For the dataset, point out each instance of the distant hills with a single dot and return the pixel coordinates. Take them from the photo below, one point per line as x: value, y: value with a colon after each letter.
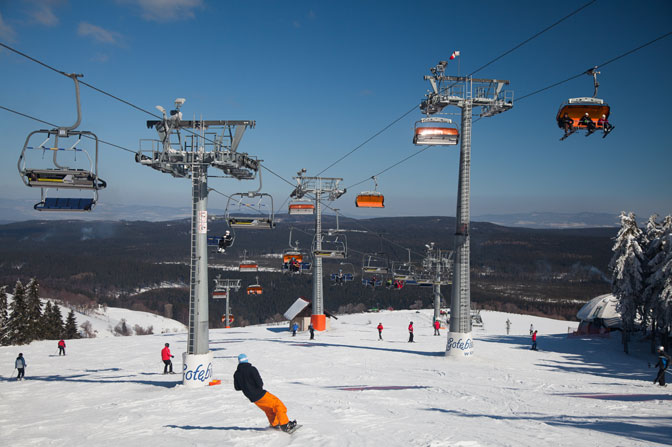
x: 21, y: 210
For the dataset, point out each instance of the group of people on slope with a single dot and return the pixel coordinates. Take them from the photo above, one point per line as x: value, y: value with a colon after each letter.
x: 436, y: 325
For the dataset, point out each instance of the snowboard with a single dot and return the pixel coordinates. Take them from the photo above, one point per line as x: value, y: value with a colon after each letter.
x: 296, y: 427
x: 608, y: 132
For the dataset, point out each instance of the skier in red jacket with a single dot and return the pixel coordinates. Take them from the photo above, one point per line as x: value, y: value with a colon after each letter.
x: 534, y: 341
x: 410, y: 333
x: 166, y: 356
x: 380, y: 331
x: 437, y: 325
x: 61, y: 347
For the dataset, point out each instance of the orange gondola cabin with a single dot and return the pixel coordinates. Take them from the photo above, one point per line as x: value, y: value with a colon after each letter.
x: 434, y: 131
x: 301, y: 208
x: 370, y: 199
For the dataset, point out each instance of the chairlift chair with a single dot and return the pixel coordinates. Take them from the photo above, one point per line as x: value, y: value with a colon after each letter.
x: 255, y: 289
x: 336, y: 248
x: 301, y: 208
x: 246, y: 201
x: 247, y: 265
x: 377, y: 263
x: 63, y: 145
x: 370, y: 199
x: 577, y: 108
x: 435, y: 131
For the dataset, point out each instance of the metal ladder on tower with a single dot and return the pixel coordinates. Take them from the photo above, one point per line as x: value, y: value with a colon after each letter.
x: 193, y: 271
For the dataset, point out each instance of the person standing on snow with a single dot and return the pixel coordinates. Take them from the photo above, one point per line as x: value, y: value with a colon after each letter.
x: 295, y: 327
x: 380, y: 331
x: 166, y: 356
x: 312, y: 331
x: 437, y: 325
x: 662, y: 365
x: 61, y: 347
x: 534, y: 341
x: 410, y: 333
x: 20, y: 365
x: 531, y: 329
x: 247, y: 379
x: 508, y: 326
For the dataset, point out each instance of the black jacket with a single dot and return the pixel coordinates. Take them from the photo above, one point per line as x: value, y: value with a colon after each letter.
x: 247, y: 379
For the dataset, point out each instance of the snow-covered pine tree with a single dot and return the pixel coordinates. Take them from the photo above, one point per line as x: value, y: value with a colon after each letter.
x: 34, y: 309
x: 4, y: 316
x: 17, y: 325
x: 663, y: 279
x: 70, y: 329
x: 627, y: 283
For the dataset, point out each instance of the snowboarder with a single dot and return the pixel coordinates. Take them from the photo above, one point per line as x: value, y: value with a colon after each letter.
x: 20, y: 365
x: 247, y: 379
x: 312, y: 331
x: 566, y: 123
x: 380, y: 331
x: 295, y: 327
x: 508, y: 326
x: 587, y: 121
x: 167, y: 363
x: 663, y: 364
x: 531, y: 329
x: 437, y: 325
x: 605, y: 124
x: 534, y: 341
x: 61, y: 347
x: 410, y: 333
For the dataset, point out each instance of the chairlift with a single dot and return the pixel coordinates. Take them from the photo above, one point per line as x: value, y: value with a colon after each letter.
x: 255, y: 289
x: 292, y: 258
x: 373, y: 282
x: 377, y: 263
x: 231, y: 319
x: 301, y: 208
x: 248, y: 204
x: 435, y: 131
x: 403, y: 271
x: 370, y: 199
x: 63, y: 145
x: 332, y: 247
x: 247, y: 265
x: 342, y: 277
x: 222, y: 242
x: 577, y: 108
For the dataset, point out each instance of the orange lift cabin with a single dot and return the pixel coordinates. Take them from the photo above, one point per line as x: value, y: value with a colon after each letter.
x: 577, y: 108
x: 255, y: 289
x: 435, y: 131
x: 370, y: 199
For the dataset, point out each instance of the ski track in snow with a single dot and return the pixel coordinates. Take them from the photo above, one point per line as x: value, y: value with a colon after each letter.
x: 345, y: 387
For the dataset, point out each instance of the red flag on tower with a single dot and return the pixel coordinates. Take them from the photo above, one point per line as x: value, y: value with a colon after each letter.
x: 454, y: 55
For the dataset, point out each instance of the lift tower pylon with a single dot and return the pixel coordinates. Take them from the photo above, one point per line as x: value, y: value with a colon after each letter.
x: 466, y: 93
x: 327, y: 188
x: 207, y: 144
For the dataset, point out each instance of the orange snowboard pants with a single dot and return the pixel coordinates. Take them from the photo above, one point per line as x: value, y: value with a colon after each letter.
x: 275, y: 410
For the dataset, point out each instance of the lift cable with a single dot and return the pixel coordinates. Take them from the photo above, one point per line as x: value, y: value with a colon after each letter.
x: 55, y: 126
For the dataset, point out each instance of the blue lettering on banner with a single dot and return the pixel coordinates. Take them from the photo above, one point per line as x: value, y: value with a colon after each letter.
x: 200, y: 374
x: 459, y: 344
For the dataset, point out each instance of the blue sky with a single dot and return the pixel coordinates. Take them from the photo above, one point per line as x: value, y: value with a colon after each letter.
x: 321, y: 77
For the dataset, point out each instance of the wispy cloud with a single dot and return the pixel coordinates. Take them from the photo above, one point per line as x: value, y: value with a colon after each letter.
x: 42, y: 11
x: 166, y: 10
x: 7, y: 33
x: 98, y: 34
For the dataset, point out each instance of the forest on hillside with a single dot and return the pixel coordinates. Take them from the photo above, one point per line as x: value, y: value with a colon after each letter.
x: 145, y: 265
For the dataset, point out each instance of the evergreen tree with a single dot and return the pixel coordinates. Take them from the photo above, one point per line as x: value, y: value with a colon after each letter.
x: 18, y: 320
x: 4, y: 316
x: 35, y: 329
x: 47, y: 331
x: 56, y: 322
x: 70, y: 330
x: 662, y: 279
x: 627, y: 283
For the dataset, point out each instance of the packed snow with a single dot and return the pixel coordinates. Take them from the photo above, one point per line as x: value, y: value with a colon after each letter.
x: 346, y: 388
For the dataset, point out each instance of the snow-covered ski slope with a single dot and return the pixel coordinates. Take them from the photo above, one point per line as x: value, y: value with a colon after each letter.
x: 345, y: 387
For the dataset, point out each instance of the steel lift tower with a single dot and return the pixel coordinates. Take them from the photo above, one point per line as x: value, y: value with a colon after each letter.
x: 319, y: 187
x: 466, y: 93
x: 206, y: 144
x: 437, y: 264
